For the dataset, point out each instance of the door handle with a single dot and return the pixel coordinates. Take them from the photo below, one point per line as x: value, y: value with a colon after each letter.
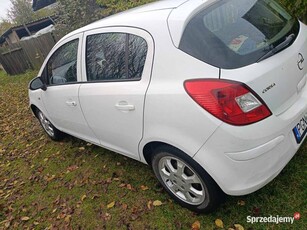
x: 71, y: 103
x: 124, y: 106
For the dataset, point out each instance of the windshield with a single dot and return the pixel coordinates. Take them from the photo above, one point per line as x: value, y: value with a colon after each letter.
x: 235, y: 33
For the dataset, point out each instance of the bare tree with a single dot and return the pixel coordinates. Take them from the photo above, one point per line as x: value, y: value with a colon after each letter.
x: 73, y: 14
x: 21, y: 12
x: 114, y: 6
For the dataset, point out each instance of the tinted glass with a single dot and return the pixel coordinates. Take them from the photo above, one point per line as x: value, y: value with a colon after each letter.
x: 137, y: 56
x: 235, y: 33
x: 115, y: 57
x: 62, y: 66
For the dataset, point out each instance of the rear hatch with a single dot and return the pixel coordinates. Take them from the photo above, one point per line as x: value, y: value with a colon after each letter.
x: 279, y: 79
x: 256, y: 42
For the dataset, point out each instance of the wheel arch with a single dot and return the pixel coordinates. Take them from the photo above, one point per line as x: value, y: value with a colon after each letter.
x: 149, y: 149
x: 34, y: 109
x: 217, y: 194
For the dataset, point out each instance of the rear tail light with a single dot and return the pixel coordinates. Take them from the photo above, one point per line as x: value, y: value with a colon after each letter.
x: 230, y: 101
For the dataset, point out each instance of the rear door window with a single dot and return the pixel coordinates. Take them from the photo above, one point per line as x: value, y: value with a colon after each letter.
x: 235, y: 33
x: 115, y: 57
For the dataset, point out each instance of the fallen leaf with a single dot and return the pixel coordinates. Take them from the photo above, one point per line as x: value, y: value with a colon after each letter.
x: 81, y: 148
x: 106, y: 216
x: 149, y: 205
x: 72, y: 168
x: 83, y: 197
x: 36, y: 223
x: 25, y: 218
x: 196, y: 225
x: 256, y: 211
x: 157, y: 203
x: 61, y: 215
x: 134, y: 216
x: 124, y: 206
x: 50, y: 178
x: 178, y: 224
x: 95, y: 196
x: 239, y: 227
x: 144, y: 188
x: 111, y: 205
x: 57, y: 200
x: 241, y: 202
x: 4, y: 221
x: 7, y: 224
x: 129, y: 186
x: 67, y: 218
x: 219, y: 223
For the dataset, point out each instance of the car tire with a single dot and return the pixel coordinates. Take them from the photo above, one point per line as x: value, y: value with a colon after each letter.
x: 185, y: 180
x: 48, y: 127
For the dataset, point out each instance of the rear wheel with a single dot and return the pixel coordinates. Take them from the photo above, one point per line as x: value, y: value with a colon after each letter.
x: 185, y: 180
x: 49, y: 128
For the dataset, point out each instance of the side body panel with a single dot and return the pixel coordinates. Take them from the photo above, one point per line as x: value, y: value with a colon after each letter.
x: 61, y: 102
x: 171, y: 116
x: 114, y: 110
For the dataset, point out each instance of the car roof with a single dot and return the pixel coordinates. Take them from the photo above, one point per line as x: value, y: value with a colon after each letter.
x: 151, y: 17
x: 132, y: 17
x: 179, y: 17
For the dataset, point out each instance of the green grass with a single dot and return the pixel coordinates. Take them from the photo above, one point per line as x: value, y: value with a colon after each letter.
x: 57, y: 185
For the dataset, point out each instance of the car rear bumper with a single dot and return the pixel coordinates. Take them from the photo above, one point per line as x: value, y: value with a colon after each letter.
x: 243, y: 159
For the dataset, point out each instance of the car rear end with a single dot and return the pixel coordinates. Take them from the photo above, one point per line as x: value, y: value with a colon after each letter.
x: 260, y: 95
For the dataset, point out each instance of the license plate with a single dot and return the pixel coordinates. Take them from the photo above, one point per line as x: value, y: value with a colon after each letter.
x: 300, y: 129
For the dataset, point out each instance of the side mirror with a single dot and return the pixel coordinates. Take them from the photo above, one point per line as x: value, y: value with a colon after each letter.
x: 37, y: 83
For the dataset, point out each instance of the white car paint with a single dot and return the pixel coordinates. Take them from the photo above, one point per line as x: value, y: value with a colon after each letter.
x: 241, y: 159
x: 117, y: 106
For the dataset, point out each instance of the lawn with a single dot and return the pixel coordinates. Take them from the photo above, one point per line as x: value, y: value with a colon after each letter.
x: 76, y: 185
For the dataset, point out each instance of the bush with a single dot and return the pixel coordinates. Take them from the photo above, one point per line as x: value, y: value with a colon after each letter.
x: 297, y: 8
x: 114, y: 6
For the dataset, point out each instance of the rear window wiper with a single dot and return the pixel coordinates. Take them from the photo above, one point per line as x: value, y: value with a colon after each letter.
x: 278, y: 48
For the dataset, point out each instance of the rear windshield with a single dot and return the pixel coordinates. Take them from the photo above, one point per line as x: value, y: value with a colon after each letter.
x: 235, y: 33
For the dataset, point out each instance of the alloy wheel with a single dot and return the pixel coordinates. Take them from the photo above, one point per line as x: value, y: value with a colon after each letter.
x: 46, y: 124
x: 182, y: 180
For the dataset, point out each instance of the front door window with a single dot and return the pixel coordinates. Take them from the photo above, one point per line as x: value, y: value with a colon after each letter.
x: 62, y: 66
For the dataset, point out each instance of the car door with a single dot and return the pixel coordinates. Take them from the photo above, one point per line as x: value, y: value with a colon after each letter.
x: 117, y: 69
x: 61, y: 74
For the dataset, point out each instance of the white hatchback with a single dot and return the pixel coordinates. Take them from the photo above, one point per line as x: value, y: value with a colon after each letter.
x: 212, y: 94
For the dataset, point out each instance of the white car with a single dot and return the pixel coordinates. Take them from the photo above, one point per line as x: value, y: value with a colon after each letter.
x: 212, y: 94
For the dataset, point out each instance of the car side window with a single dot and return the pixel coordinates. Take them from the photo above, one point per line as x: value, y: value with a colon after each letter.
x: 115, y: 57
x: 62, y: 66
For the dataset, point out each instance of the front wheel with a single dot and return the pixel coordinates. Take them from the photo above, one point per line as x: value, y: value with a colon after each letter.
x: 49, y: 128
x: 185, y: 180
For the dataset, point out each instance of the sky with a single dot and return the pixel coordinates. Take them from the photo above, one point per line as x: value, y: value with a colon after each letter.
x: 4, y: 6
